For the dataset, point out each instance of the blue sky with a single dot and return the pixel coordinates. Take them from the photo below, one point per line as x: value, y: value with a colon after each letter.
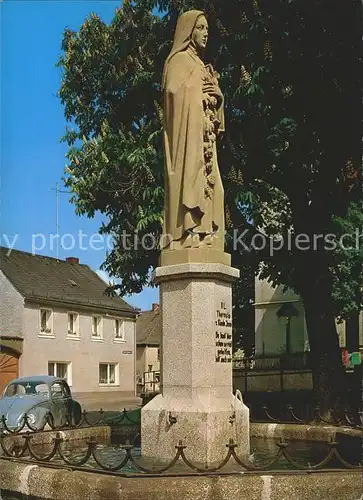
x: 32, y: 122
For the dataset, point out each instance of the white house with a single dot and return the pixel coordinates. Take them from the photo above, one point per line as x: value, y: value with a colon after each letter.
x: 56, y: 319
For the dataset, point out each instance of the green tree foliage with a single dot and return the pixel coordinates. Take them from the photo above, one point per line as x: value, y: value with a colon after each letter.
x: 289, y: 157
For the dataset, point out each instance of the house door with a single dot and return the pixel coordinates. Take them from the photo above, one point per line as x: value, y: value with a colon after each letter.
x: 9, y: 369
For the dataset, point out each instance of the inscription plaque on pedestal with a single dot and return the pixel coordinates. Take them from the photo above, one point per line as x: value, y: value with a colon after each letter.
x: 223, y: 335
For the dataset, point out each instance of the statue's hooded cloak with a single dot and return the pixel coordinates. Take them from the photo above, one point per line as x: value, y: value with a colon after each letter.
x: 185, y: 201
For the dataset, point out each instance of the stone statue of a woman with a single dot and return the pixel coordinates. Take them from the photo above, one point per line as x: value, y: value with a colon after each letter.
x: 193, y: 117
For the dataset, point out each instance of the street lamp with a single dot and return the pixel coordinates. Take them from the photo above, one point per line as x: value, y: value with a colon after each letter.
x: 287, y: 311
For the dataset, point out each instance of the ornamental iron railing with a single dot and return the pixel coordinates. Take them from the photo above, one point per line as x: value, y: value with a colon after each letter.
x: 343, y: 418
x: 27, y: 451
x: 88, y: 419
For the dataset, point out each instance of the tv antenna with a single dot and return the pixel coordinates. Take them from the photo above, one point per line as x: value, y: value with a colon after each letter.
x: 57, y: 191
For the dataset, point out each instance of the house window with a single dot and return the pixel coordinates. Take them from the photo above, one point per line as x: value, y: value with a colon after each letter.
x: 96, y: 326
x: 119, y: 329
x: 108, y: 373
x: 45, y: 321
x: 60, y: 369
x: 72, y: 324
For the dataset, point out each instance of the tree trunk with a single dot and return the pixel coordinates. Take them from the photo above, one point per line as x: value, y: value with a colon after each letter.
x: 324, y: 344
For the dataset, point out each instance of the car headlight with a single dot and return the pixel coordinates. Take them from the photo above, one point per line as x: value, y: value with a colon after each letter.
x: 31, y: 418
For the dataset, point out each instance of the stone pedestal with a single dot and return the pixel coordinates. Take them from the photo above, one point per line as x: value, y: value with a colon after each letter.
x: 196, y: 404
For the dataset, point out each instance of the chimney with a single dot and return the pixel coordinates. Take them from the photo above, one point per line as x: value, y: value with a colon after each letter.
x: 155, y: 306
x: 72, y: 260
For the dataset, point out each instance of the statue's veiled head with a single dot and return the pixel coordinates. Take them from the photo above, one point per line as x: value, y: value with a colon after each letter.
x: 192, y: 27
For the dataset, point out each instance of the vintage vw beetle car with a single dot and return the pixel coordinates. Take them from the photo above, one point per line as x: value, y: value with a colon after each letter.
x: 43, y: 399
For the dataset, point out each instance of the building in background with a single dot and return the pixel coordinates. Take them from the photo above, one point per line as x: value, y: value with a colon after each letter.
x: 56, y: 319
x: 280, y: 325
x: 148, y: 341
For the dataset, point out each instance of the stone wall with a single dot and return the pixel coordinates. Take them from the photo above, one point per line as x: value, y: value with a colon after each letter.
x: 44, y: 482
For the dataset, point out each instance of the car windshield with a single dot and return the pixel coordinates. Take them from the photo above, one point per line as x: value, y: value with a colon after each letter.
x: 27, y: 389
